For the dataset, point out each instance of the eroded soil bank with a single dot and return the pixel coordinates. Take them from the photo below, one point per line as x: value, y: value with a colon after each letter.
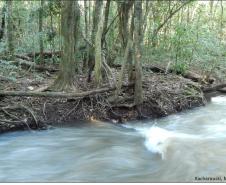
x: 163, y: 95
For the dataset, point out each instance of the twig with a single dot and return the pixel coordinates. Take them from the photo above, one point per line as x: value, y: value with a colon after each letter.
x: 31, y: 112
x: 68, y: 113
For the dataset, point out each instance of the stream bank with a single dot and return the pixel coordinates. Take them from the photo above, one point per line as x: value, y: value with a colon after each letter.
x: 164, y: 94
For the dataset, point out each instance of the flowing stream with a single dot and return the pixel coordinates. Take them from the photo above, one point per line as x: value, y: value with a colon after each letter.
x: 178, y: 148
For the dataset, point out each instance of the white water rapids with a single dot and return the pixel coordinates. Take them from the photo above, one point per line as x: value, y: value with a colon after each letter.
x: 178, y: 148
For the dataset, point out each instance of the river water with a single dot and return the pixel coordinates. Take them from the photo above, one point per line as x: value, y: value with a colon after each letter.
x: 178, y: 148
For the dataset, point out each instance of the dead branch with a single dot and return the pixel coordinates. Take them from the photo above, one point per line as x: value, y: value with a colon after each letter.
x: 26, y: 64
x: 23, y: 57
x: 47, y: 54
x: 22, y: 107
x: 4, y: 78
x: 60, y: 94
x: 214, y: 88
x: 31, y: 113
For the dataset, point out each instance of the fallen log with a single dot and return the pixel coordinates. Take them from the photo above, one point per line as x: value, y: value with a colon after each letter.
x: 59, y: 94
x: 188, y: 74
x: 27, y: 65
x: 23, y: 57
x: 7, y: 79
x: 222, y: 90
x: 47, y: 54
x: 214, y: 88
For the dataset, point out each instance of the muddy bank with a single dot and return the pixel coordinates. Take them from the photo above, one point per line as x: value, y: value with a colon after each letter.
x: 163, y: 95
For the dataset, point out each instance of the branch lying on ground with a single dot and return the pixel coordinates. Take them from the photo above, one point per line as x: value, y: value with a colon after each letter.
x: 214, y: 88
x: 47, y: 54
x: 23, y: 57
x: 158, y: 69
x: 27, y: 64
x: 60, y: 94
x: 4, y: 78
x: 17, y: 119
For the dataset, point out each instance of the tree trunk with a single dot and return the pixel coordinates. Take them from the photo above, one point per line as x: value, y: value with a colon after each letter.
x: 91, y: 50
x: 41, y: 46
x: 123, y: 68
x: 130, y: 56
x: 10, y: 34
x: 98, y: 51
x: 69, y: 31
x: 86, y: 9
x: 138, y: 95
x: 221, y: 19
x: 106, y: 14
x: 127, y: 60
x: 123, y: 11
x: 2, y: 29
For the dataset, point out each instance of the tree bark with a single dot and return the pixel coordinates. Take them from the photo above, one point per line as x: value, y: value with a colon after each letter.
x: 106, y: 14
x: 41, y: 46
x: 10, y: 35
x: 123, y: 11
x: 69, y: 30
x: 86, y: 9
x: 91, y: 50
x: 138, y: 94
x: 98, y: 51
x: 2, y: 29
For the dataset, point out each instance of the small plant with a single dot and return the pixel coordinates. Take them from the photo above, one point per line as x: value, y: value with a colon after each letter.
x: 180, y: 68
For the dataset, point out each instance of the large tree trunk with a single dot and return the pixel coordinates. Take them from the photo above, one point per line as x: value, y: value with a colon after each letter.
x: 127, y: 60
x: 70, y: 25
x: 10, y: 35
x: 123, y: 68
x: 123, y: 11
x: 41, y: 46
x: 138, y: 95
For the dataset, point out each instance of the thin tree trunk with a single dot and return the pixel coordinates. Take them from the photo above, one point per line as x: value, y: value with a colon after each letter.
x: 138, y: 95
x: 123, y: 11
x: 98, y: 51
x: 41, y: 46
x: 2, y: 29
x: 171, y: 14
x: 130, y: 57
x: 10, y: 34
x: 85, y: 62
x: 106, y: 14
x: 221, y: 19
x: 123, y: 68
x: 91, y: 50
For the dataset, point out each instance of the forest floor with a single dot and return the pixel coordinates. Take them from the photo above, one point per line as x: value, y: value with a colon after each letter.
x: 164, y: 94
